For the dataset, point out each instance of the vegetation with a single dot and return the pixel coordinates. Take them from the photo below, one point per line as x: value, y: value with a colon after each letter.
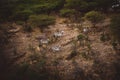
x: 95, y: 17
x: 78, y: 54
x: 104, y: 37
x: 22, y: 15
x: 41, y: 21
x: 67, y: 12
x: 20, y: 9
x: 115, y: 27
x: 81, y: 37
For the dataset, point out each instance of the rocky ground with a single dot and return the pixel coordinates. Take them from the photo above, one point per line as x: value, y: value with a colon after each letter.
x: 90, y: 63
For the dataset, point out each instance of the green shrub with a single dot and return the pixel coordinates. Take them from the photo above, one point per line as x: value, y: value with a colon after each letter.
x: 44, y: 8
x: 72, y: 55
x: 89, y: 46
x: 19, y: 22
x: 95, y: 17
x: 85, y: 55
x: 115, y: 27
x: 103, y: 38
x: 67, y: 12
x: 22, y: 15
x: 114, y: 44
x: 27, y: 27
x: 41, y: 21
x: 81, y: 37
x: 48, y: 6
x: 31, y: 72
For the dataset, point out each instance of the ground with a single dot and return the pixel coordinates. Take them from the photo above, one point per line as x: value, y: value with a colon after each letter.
x: 25, y: 44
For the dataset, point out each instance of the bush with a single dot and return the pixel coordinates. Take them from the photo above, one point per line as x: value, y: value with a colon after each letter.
x: 19, y: 22
x: 81, y: 37
x: 31, y: 72
x: 38, y: 9
x: 104, y: 37
x: 72, y: 55
x: 115, y: 27
x: 114, y: 44
x: 48, y: 6
x: 27, y: 27
x: 95, y: 17
x: 67, y: 12
x: 22, y: 15
x: 83, y: 54
x: 41, y: 21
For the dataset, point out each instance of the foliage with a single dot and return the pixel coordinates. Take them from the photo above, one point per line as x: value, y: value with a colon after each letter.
x: 19, y: 22
x: 38, y: 9
x: 81, y: 37
x: 73, y: 4
x: 95, y: 17
x: 114, y: 44
x: 41, y: 20
x: 115, y: 27
x: 104, y: 5
x: 21, y: 9
x: 72, y: 55
x: 48, y: 7
x: 27, y: 27
x: 10, y: 9
x: 104, y: 37
x: 84, y: 55
x: 26, y: 71
x: 22, y: 15
x: 67, y: 12
x: 81, y: 5
x: 87, y: 5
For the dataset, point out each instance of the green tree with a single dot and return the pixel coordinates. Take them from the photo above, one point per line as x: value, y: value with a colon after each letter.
x: 22, y: 15
x: 81, y: 5
x: 95, y: 17
x: 73, y: 4
x: 104, y: 5
x: 67, y: 12
x: 41, y: 21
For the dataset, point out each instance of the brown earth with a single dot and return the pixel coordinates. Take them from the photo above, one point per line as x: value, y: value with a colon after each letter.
x: 88, y: 62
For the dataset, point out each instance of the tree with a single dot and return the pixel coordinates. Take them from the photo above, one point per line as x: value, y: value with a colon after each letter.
x: 73, y: 4
x: 81, y: 5
x: 104, y: 5
x: 22, y: 15
x: 67, y: 12
x: 115, y: 27
x: 41, y: 21
x: 95, y: 17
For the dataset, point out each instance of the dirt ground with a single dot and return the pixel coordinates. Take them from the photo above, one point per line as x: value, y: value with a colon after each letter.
x: 100, y: 51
